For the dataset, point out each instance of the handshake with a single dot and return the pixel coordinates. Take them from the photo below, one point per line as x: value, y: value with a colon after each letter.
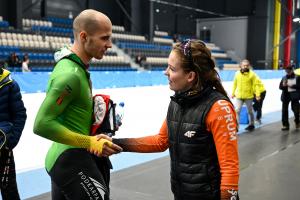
x: 101, y: 145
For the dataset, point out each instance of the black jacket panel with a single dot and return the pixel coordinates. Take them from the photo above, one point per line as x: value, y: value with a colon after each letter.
x: 195, y: 171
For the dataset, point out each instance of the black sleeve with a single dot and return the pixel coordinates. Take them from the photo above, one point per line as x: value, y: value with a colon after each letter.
x: 18, y: 115
x: 281, y: 87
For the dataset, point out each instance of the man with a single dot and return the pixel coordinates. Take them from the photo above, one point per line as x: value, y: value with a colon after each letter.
x: 258, y: 100
x: 243, y: 84
x: 290, y: 86
x: 12, y: 121
x: 65, y: 116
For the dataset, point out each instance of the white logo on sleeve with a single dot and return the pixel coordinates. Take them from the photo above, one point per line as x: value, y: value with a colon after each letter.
x: 190, y: 134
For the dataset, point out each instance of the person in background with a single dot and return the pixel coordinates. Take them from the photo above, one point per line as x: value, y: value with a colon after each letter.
x: 290, y: 86
x: 175, y: 38
x: 243, y: 89
x: 139, y: 59
x: 65, y: 116
x: 12, y: 121
x: 297, y: 71
x: 25, y: 64
x: 14, y: 62
x: 258, y: 100
x: 200, y: 129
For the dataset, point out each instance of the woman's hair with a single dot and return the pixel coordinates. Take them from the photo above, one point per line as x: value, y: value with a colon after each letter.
x: 25, y: 57
x: 196, y: 57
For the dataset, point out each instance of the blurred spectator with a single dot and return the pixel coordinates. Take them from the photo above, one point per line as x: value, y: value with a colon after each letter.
x: 243, y: 89
x: 25, y: 64
x: 14, y: 61
x: 258, y: 100
x: 175, y: 38
x: 139, y: 59
x: 290, y: 85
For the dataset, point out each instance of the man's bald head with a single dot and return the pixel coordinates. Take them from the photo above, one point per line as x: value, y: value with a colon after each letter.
x: 90, y: 21
x: 245, y: 61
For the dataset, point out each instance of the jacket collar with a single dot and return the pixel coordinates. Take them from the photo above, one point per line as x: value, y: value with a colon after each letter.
x: 65, y: 52
x: 190, y: 96
x: 5, y: 78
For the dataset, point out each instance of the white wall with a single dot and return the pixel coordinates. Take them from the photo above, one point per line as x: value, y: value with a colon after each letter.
x: 228, y: 33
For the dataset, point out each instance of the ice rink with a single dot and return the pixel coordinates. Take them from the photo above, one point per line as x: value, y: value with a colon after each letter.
x: 144, y: 111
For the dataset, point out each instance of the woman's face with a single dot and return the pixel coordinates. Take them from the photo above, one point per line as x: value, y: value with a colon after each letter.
x: 179, y: 80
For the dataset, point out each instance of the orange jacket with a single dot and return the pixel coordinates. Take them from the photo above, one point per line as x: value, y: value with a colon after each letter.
x: 221, y: 122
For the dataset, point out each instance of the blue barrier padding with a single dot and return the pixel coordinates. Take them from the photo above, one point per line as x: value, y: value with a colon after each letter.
x: 33, y: 183
x: 37, y: 81
x: 32, y: 82
x: 298, y: 48
x: 244, y: 119
x: 228, y: 75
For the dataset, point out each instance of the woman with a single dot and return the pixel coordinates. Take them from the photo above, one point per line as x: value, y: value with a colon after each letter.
x: 200, y: 128
x: 25, y: 64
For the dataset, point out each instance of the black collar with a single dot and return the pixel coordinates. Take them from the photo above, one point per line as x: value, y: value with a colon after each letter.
x: 191, y: 96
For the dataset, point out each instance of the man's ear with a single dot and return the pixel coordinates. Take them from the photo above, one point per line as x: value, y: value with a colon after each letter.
x: 83, y: 36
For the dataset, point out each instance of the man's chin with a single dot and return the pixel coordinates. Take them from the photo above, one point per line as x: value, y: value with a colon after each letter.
x: 98, y: 57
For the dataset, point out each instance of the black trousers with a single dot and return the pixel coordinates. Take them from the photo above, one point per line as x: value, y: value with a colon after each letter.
x: 257, y: 105
x: 79, y: 175
x: 285, y: 112
x: 8, y: 183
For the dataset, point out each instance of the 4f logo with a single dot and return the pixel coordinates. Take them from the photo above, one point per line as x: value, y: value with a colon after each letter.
x: 190, y: 134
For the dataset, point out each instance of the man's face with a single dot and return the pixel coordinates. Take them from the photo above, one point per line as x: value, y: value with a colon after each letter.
x: 97, y: 43
x: 288, y: 71
x: 245, y: 65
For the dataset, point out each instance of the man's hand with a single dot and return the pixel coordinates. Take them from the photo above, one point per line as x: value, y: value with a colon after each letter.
x: 101, y: 145
x: 109, y: 150
x: 258, y: 98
